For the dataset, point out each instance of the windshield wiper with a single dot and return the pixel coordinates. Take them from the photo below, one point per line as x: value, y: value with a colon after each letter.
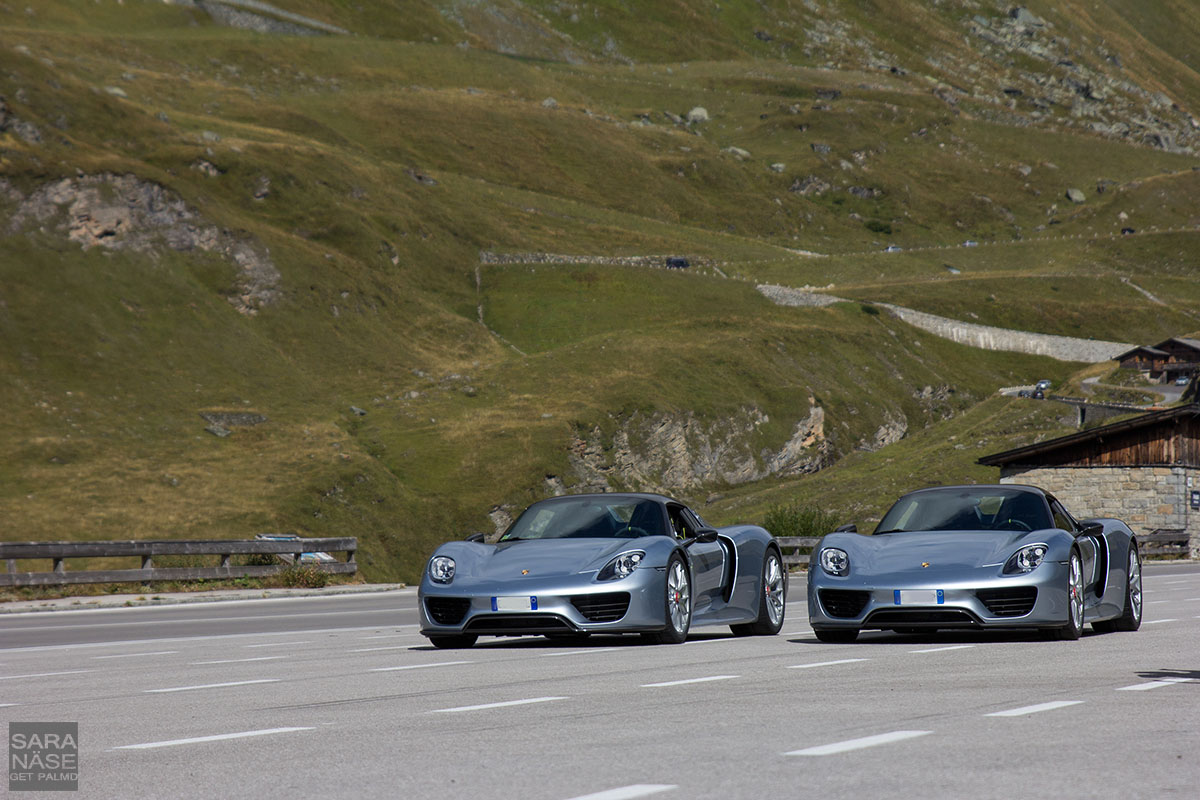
x: 893, y: 530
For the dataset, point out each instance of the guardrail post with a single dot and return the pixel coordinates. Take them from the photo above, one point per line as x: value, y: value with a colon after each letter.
x: 225, y: 560
x: 350, y: 557
x: 58, y: 567
x: 12, y: 566
x: 147, y: 562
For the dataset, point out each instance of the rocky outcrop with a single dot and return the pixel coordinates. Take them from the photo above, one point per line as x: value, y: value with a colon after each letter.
x: 124, y: 212
x: 664, y: 452
x: 260, y: 17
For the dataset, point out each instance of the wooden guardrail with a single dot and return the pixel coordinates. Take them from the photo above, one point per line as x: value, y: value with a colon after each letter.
x: 224, y: 549
x: 1164, y: 542
x: 791, y: 547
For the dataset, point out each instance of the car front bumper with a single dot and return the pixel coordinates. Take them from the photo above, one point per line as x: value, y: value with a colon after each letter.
x: 574, y: 604
x: 976, y: 598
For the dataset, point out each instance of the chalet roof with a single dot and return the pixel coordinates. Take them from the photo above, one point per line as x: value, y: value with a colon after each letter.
x: 1192, y: 343
x: 1145, y: 348
x: 1037, y: 452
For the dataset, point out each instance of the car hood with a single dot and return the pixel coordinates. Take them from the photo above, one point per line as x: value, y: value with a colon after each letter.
x: 545, y: 558
x: 941, y: 550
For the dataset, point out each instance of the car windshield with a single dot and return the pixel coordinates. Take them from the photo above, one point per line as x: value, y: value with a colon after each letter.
x: 967, y: 509
x: 589, y: 518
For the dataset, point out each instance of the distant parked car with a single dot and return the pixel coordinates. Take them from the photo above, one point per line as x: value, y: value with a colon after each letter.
x: 1042, y: 384
x: 1038, y: 394
x: 676, y: 262
x: 892, y: 248
x: 1024, y: 393
x: 1183, y: 380
x: 1127, y: 231
x: 970, y: 243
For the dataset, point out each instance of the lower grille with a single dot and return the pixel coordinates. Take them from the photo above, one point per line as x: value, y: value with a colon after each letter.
x: 948, y: 618
x: 447, y: 610
x: 518, y: 624
x: 601, y: 607
x: 844, y: 603
x: 1015, y: 602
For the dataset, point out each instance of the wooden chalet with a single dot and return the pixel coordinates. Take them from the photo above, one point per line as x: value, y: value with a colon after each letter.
x: 1144, y: 470
x: 1165, y: 361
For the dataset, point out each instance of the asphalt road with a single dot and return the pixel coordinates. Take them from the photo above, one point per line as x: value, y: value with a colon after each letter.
x: 341, y: 697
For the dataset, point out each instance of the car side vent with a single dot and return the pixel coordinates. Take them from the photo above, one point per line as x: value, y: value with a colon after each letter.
x: 1008, y: 602
x: 608, y: 607
x: 844, y: 603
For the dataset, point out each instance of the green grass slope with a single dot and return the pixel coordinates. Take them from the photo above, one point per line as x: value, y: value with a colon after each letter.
x: 327, y: 199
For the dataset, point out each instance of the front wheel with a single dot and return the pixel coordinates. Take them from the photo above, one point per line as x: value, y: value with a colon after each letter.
x: 678, y: 604
x: 453, y: 641
x: 1074, y: 627
x: 836, y: 635
x: 771, y: 600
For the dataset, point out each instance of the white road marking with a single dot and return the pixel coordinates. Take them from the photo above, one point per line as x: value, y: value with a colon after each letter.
x: 389, y: 635
x: 828, y: 663
x: 689, y: 680
x: 1191, y: 599
x: 420, y: 666
x: 44, y: 674
x: 1141, y: 687
x: 578, y: 652
x: 628, y: 792
x: 377, y: 649
x: 1158, y: 621
x: 858, y: 744
x: 943, y: 649
x: 1020, y: 712
x: 235, y: 660
x: 8, y: 705
x: 504, y: 704
x: 209, y: 686
x: 275, y: 644
x: 173, y: 639
x: 215, y: 738
x: 1156, y: 602
x: 136, y: 655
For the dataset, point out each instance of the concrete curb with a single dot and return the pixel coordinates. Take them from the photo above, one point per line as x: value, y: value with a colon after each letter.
x: 143, y: 599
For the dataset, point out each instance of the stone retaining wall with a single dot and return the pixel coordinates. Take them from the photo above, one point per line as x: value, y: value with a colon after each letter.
x: 1145, y: 498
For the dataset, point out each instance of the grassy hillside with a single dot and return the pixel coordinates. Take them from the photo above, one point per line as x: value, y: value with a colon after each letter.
x: 200, y: 221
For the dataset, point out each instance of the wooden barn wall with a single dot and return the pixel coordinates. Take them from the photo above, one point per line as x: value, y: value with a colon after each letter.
x: 1175, y: 443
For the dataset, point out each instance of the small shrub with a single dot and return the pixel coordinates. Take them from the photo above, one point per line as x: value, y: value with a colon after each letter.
x: 798, y: 520
x: 870, y: 309
x: 879, y: 227
x: 303, y: 576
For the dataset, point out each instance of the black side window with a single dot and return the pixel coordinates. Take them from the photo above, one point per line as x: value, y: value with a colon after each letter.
x: 1062, y: 519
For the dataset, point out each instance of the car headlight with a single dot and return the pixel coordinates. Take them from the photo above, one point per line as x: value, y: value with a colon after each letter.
x: 441, y: 569
x: 835, y: 561
x: 1027, y: 559
x: 622, y: 566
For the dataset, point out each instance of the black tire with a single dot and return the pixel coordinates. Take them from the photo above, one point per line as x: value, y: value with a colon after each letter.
x: 1074, y: 627
x: 772, y: 599
x: 677, y: 604
x: 1131, y: 616
x: 836, y: 635
x: 453, y: 641
x: 567, y: 638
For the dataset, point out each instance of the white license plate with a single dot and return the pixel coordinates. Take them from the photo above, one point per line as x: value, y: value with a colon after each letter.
x: 521, y: 603
x: 920, y: 597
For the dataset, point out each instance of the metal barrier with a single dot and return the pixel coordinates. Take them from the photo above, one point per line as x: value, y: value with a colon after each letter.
x: 795, y: 544
x: 58, y: 552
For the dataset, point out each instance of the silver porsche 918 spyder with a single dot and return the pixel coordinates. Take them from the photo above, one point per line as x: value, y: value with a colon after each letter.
x: 1004, y: 556
x: 604, y: 563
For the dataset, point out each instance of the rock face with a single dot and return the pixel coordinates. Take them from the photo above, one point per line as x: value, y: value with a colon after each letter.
x: 664, y: 452
x: 123, y: 212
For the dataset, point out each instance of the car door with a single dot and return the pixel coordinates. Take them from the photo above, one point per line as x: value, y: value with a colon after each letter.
x: 1090, y: 550
x: 708, y: 558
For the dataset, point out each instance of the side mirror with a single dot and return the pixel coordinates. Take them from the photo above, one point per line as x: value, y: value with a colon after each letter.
x: 1091, y: 528
x: 847, y: 528
x: 476, y: 537
x: 706, y: 535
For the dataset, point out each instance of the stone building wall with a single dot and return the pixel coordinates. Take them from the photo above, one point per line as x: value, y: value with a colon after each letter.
x: 1145, y: 498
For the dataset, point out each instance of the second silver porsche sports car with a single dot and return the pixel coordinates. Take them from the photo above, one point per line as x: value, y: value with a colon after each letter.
x: 604, y: 563
x: 1005, y: 556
